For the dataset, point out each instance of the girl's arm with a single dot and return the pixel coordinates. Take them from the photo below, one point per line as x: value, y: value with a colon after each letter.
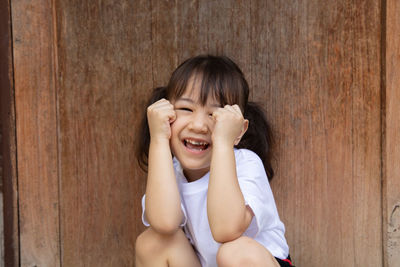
x: 228, y: 215
x: 163, y: 208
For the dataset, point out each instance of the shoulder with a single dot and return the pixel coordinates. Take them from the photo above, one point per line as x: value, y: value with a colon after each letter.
x: 248, y: 161
x: 244, y: 156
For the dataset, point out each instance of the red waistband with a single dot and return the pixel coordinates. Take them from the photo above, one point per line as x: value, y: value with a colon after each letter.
x: 287, y: 260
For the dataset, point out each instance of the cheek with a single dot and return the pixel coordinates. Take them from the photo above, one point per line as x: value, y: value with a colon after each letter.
x: 176, y: 127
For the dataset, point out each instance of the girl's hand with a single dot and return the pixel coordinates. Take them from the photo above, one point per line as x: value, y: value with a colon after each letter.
x: 230, y: 125
x: 160, y: 115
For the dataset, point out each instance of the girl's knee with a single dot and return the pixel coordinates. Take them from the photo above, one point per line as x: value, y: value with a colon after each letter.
x: 232, y: 254
x: 147, y: 243
x: 155, y: 249
x: 150, y: 242
x: 244, y: 251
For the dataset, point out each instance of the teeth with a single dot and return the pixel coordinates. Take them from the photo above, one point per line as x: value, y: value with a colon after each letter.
x: 196, y: 143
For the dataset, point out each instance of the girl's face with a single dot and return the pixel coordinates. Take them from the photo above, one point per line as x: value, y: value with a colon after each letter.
x: 191, y: 132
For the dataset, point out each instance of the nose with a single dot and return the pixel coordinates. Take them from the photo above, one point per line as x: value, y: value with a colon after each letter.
x: 199, y: 123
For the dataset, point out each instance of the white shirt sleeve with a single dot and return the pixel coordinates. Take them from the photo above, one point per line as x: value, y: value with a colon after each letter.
x: 146, y: 222
x: 256, y: 191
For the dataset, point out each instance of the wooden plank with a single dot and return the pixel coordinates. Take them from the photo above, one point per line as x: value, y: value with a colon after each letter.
x: 8, y: 142
x: 191, y: 29
x: 215, y: 27
x: 105, y: 72
x: 36, y: 132
x: 184, y: 29
x: 391, y: 149
x: 317, y: 67
x: 226, y: 25
x: 366, y: 132
x: 164, y: 40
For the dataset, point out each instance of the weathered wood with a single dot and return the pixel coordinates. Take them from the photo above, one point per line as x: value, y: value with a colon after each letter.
x: 215, y: 27
x: 36, y: 132
x: 317, y: 68
x: 391, y: 149
x: 104, y: 71
x: 8, y: 142
x: 164, y: 40
x: 184, y: 29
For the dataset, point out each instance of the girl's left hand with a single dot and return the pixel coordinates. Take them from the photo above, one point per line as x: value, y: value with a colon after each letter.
x: 230, y: 125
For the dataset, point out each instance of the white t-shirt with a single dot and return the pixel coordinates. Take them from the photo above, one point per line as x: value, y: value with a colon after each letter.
x: 266, y: 227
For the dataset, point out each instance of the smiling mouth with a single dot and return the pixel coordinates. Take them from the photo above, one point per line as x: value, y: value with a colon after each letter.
x: 196, y: 145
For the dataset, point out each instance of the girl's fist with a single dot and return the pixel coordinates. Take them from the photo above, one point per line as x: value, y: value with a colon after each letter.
x: 160, y: 115
x: 230, y: 125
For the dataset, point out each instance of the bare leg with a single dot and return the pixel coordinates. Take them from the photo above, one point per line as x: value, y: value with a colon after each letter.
x: 157, y: 250
x: 245, y: 251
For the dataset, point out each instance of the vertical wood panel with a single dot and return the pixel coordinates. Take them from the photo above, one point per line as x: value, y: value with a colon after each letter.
x: 36, y: 130
x: 391, y: 152
x: 182, y: 29
x: 8, y: 142
x: 215, y: 27
x: 105, y: 74
x: 164, y: 40
x: 226, y: 25
x: 316, y: 66
x: 192, y: 29
x: 365, y: 82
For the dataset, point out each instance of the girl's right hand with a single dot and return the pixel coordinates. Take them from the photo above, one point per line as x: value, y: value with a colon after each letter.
x: 160, y: 115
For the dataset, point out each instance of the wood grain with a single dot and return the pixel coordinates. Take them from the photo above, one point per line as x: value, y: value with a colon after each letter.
x: 36, y: 132
x: 104, y: 72
x: 215, y: 27
x: 83, y: 70
x: 8, y: 158
x: 184, y: 29
x: 316, y: 67
x: 391, y: 150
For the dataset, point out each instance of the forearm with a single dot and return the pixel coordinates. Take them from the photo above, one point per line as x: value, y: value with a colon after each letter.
x: 227, y: 212
x: 163, y: 208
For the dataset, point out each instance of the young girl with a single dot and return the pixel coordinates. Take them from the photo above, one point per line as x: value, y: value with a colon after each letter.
x: 208, y: 201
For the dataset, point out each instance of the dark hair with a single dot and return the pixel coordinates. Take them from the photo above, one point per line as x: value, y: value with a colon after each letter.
x: 224, y: 80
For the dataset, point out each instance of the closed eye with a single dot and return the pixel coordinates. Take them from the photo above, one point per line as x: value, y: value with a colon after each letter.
x: 185, y: 109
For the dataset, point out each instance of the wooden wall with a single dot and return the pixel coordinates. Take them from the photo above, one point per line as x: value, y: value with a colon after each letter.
x: 321, y: 65
x: 322, y: 70
x: 8, y: 166
x: 391, y: 136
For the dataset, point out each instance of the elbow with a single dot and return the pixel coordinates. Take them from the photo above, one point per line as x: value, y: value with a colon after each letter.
x: 226, y: 234
x: 165, y: 228
x: 166, y: 225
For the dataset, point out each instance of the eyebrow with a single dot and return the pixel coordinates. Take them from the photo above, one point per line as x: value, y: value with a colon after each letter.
x: 193, y: 102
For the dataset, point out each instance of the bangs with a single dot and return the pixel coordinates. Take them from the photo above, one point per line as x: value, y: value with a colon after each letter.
x: 218, y: 77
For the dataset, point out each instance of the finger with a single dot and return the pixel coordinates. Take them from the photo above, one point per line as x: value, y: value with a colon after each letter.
x: 228, y: 107
x: 237, y: 109
x: 156, y: 104
x: 163, y: 106
x: 233, y: 108
x: 162, y: 102
x: 217, y: 113
x: 166, y: 107
x: 172, y: 116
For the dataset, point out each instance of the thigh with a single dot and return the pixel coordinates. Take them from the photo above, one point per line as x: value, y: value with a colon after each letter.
x: 245, y: 251
x: 155, y: 249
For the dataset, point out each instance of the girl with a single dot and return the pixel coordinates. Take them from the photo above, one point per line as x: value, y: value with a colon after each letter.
x: 208, y: 201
